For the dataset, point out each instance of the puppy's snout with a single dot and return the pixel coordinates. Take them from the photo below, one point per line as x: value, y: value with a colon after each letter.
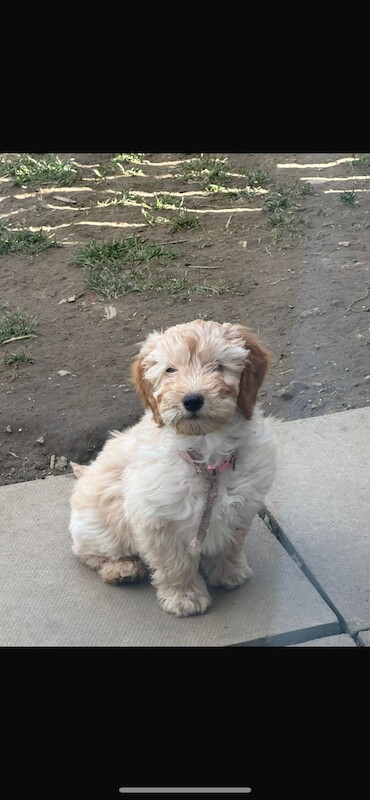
x: 193, y: 402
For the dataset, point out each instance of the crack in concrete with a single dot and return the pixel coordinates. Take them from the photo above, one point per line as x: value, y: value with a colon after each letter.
x: 278, y: 532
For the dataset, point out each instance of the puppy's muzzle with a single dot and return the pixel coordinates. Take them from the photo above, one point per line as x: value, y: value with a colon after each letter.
x: 193, y: 402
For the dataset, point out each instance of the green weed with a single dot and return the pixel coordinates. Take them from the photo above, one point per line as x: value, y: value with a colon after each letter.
x: 49, y: 170
x: 119, y: 199
x: 15, y: 325
x: 183, y: 220
x: 279, y: 199
x: 208, y: 170
x: 348, y: 198
x: 14, y: 359
x: 164, y: 200
x: 24, y: 241
x: 287, y: 227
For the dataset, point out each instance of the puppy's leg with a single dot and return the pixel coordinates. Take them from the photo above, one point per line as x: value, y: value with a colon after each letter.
x: 124, y: 570
x: 180, y: 588
x: 229, y: 567
x: 101, y: 549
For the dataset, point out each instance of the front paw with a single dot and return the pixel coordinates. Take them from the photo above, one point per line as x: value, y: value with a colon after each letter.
x: 125, y: 570
x: 230, y: 576
x: 184, y: 602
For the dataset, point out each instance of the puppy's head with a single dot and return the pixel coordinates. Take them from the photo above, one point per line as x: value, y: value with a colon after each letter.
x: 194, y: 376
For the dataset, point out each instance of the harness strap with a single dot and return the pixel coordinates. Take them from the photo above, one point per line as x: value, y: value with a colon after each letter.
x: 211, y: 473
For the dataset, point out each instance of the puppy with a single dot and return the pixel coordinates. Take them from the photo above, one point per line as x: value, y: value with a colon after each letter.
x: 175, y: 494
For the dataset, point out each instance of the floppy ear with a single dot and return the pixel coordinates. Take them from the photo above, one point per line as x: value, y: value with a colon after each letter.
x: 142, y: 385
x: 254, y: 371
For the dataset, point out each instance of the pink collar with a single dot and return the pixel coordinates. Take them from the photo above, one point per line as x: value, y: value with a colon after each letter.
x: 209, y: 470
x: 211, y: 473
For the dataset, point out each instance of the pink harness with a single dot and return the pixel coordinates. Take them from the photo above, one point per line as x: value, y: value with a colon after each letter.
x: 210, y: 472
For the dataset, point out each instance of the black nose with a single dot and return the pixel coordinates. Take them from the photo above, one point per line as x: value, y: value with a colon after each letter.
x: 193, y: 402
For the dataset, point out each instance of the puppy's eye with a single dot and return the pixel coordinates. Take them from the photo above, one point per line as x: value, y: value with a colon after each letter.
x: 171, y: 369
x: 217, y: 368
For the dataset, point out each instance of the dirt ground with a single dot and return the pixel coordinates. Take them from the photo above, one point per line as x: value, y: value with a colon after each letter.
x: 308, y: 299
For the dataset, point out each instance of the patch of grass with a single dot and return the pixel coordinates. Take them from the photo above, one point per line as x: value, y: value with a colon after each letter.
x: 114, y: 167
x: 208, y: 170
x: 363, y: 160
x: 152, y: 220
x: 245, y: 192
x: 110, y: 284
x: 287, y: 227
x: 302, y: 189
x: 164, y: 200
x: 184, y: 220
x: 22, y: 240
x: 348, y: 198
x: 280, y: 198
x: 275, y: 220
x: 256, y: 178
x: 49, y: 170
x: 214, y: 187
x: 130, y: 158
x: 119, y: 199
x: 14, y: 325
x: 285, y: 223
x: 233, y: 193
x: 123, y: 265
x: 117, y: 252
x: 14, y: 359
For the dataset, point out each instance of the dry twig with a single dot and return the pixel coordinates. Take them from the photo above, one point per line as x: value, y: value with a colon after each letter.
x: 357, y: 301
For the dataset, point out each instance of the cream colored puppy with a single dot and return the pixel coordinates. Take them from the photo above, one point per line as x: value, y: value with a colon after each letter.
x: 175, y: 494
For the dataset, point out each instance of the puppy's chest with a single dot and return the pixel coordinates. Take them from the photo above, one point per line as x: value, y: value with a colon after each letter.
x: 189, y: 489
x: 166, y: 486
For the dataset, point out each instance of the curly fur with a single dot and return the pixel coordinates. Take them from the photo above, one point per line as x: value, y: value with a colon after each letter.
x: 138, y: 506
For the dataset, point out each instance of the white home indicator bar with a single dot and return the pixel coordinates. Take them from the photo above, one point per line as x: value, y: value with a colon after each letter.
x: 185, y: 790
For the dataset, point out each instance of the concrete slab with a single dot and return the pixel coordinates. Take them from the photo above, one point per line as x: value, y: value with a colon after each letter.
x: 343, y: 640
x: 49, y: 598
x: 364, y: 638
x: 321, y: 501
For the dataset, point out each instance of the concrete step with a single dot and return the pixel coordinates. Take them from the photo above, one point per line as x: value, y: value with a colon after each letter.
x: 343, y: 640
x: 49, y: 598
x: 321, y: 501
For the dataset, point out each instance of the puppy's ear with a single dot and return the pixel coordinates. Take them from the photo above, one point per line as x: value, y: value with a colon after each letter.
x: 142, y: 385
x: 255, y: 370
x: 78, y: 469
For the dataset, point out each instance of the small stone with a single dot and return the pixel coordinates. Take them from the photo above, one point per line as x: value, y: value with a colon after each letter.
x: 8, y: 429
x: 40, y: 440
x: 62, y: 301
x: 111, y: 311
x: 291, y: 390
x: 61, y: 462
x: 52, y: 462
x: 71, y: 299
x: 310, y: 312
x: 63, y: 372
x: 367, y: 378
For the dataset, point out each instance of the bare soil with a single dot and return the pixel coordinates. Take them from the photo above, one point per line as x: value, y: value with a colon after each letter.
x: 308, y: 300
